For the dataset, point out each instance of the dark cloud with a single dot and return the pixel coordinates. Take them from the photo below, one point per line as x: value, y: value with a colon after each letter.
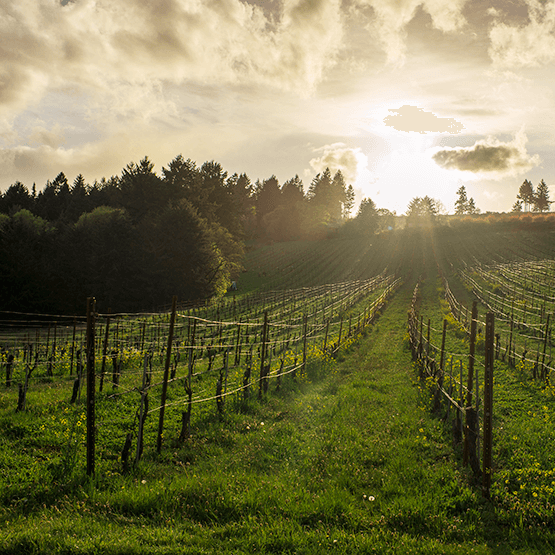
x: 412, y: 118
x: 490, y: 157
x: 479, y: 158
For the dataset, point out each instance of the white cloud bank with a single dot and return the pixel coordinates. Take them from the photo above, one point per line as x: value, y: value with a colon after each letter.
x: 530, y: 45
x: 99, y: 44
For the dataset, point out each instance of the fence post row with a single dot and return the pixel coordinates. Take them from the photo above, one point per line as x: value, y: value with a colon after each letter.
x: 471, y: 428
x: 112, y: 340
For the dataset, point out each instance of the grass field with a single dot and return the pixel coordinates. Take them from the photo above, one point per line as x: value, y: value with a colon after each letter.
x: 347, y: 459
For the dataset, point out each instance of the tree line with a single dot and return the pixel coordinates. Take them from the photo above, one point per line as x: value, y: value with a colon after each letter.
x: 136, y: 239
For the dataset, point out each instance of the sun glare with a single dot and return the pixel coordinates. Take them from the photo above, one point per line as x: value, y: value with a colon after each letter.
x: 408, y: 171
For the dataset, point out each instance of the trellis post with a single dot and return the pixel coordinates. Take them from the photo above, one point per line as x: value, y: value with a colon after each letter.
x: 166, y: 375
x: 263, y: 353
x: 488, y: 403
x: 470, y: 435
x: 91, y: 305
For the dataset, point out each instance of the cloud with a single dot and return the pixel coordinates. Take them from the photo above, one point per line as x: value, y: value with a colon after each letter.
x: 100, y: 45
x: 489, y: 157
x: 392, y: 17
x: 412, y: 118
x: 525, y: 45
x: 42, y: 136
x: 351, y: 161
x: 24, y: 163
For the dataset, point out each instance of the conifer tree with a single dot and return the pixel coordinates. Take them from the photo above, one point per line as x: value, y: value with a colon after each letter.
x: 461, y: 204
x: 541, y: 198
x: 349, y: 203
x: 526, y: 194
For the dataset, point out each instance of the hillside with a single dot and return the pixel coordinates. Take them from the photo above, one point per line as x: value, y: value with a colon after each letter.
x: 296, y: 420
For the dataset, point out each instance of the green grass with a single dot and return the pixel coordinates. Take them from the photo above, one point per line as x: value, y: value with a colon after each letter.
x: 347, y: 461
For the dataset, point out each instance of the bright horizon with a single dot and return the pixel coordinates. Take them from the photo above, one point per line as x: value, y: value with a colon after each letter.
x: 407, y: 97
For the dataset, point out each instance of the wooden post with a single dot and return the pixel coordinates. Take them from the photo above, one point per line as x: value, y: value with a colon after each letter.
x: 166, y: 375
x: 439, y: 386
x: 442, y: 355
x: 461, y: 399
x: 226, y: 369
x: 54, y: 345
x: 105, y: 349
x: 326, y: 335
x: 48, y: 341
x: 546, y: 336
x: 340, y: 330
x: 91, y: 305
x: 305, y: 333
x: 469, y: 421
x: 420, y: 344
x: 186, y: 415
x: 509, y: 359
x: 488, y: 403
x: 263, y: 354
x: 143, y: 410
x: 72, y: 347
x: 237, y: 351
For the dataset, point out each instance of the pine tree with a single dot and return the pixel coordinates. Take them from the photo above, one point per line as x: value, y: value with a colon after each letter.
x: 461, y: 204
x: 526, y: 194
x: 471, y: 207
x: 541, y: 198
x: 517, y: 206
x: 349, y: 203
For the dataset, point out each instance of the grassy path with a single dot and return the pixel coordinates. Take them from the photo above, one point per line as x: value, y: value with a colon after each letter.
x: 350, y: 464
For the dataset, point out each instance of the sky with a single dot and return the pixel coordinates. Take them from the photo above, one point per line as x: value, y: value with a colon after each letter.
x: 406, y: 97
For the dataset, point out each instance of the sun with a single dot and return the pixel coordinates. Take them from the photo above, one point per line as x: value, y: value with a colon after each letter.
x: 407, y: 170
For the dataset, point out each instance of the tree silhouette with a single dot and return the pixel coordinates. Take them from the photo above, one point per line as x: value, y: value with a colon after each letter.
x: 526, y: 194
x: 349, y: 202
x: 367, y: 217
x: 422, y: 211
x: 464, y: 205
x: 541, y: 198
x: 461, y: 204
x: 16, y: 198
